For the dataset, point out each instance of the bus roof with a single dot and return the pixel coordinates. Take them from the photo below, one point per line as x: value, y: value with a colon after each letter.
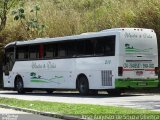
x: 112, y: 31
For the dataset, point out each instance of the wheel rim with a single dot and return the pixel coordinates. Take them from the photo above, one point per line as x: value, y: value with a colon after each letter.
x: 19, y: 85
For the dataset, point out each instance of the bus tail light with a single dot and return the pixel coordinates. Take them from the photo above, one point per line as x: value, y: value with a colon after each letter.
x: 156, y: 70
x: 120, y: 71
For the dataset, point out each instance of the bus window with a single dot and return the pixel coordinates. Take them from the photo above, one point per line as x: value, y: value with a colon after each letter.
x: 85, y: 47
x: 34, y: 52
x: 61, y: 50
x: 66, y: 49
x: 71, y: 50
x: 9, y: 60
x: 41, y: 51
x: 80, y: 45
x: 50, y: 50
x: 22, y: 52
x: 105, y: 46
x: 89, y: 47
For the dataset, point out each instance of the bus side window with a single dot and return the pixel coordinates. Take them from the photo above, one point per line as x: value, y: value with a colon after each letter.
x: 34, y: 52
x: 22, y: 52
x: 85, y: 47
x: 70, y: 49
x: 41, y: 51
x: 50, y: 50
x: 89, y: 47
x: 105, y: 46
x: 80, y: 46
x: 110, y: 49
x: 55, y: 50
x: 61, y: 50
x: 66, y: 49
x: 99, y: 48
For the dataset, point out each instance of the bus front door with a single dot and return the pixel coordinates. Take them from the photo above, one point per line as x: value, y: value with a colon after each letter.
x: 8, y: 60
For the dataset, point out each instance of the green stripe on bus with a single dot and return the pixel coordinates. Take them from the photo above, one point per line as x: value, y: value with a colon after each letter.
x: 133, y: 83
x: 39, y: 81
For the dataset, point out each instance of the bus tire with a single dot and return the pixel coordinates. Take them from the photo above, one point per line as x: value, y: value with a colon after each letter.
x: 114, y: 92
x: 83, y: 85
x: 19, y: 85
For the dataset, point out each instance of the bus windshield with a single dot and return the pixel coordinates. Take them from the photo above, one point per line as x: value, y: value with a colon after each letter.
x: 9, y: 60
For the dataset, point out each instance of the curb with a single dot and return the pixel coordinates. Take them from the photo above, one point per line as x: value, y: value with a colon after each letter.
x: 48, y: 114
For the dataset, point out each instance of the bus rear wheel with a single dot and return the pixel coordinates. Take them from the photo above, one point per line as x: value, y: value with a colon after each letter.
x: 19, y: 85
x: 83, y: 85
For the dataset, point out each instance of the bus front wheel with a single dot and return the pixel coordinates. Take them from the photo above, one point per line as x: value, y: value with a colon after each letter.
x: 19, y: 85
x: 83, y: 85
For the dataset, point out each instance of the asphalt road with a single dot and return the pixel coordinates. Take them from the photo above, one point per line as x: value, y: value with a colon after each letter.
x: 8, y: 114
x: 141, y: 101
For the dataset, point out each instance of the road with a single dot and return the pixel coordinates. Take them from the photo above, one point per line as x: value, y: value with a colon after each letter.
x: 141, y: 101
x: 9, y: 111
x: 8, y: 114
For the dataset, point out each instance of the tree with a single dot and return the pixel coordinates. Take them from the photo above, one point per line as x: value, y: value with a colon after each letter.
x: 32, y: 24
x: 5, y: 6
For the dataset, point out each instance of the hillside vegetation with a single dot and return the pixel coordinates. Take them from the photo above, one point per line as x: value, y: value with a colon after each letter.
x: 68, y: 17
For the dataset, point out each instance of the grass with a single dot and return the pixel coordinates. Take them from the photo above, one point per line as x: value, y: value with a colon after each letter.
x: 72, y: 109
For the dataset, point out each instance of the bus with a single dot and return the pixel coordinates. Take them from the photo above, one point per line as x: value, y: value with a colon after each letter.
x: 113, y: 60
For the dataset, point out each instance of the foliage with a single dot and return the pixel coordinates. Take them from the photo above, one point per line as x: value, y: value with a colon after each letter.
x: 32, y: 24
x: 68, y: 17
x: 5, y: 6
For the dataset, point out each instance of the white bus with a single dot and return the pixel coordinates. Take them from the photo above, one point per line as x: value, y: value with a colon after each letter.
x: 113, y: 60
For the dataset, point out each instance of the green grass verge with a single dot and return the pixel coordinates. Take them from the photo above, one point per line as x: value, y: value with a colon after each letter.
x: 72, y: 109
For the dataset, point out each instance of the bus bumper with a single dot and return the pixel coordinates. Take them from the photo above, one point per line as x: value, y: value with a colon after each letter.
x: 131, y: 83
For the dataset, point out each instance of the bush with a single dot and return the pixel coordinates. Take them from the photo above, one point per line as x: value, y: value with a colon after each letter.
x: 68, y: 17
